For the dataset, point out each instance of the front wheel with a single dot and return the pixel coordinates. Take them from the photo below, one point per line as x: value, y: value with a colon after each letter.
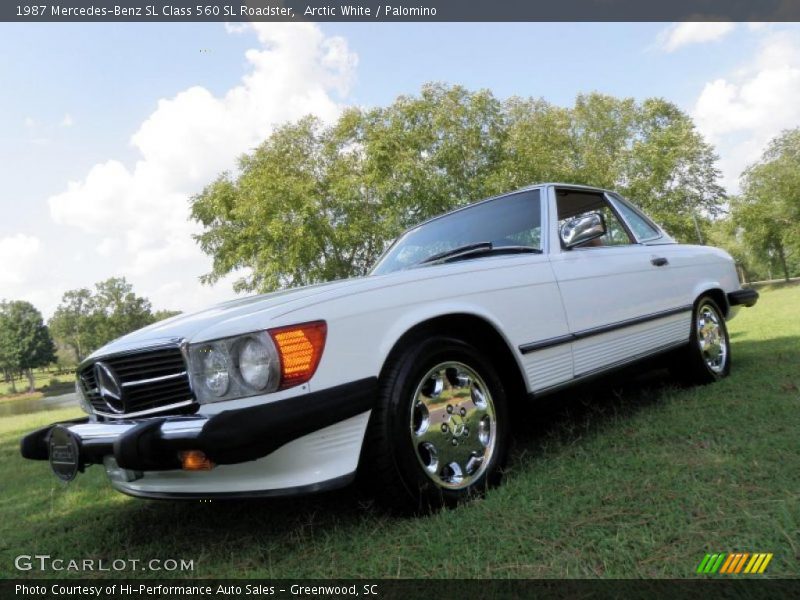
x: 708, y: 357
x: 439, y: 433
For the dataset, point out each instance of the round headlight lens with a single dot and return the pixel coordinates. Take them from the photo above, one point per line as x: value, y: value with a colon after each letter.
x: 254, y: 363
x: 215, y: 371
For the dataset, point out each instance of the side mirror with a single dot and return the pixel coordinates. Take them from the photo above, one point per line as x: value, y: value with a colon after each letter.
x: 582, y: 229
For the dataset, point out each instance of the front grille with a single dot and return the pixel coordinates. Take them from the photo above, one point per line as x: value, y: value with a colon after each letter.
x: 151, y: 380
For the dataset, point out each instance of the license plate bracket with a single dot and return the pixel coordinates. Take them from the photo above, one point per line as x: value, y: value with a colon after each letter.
x: 64, y: 452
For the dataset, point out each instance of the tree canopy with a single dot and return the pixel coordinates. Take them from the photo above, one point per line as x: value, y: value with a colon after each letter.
x: 766, y: 216
x: 25, y: 341
x: 86, y: 320
x: 317, y: 202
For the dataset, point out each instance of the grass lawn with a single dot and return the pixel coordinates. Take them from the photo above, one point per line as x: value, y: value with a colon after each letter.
x: 46, y: 384
x: 637, y: 479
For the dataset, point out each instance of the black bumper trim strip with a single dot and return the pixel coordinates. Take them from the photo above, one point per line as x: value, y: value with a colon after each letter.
x: 34, y: 446
x: 229, y: 437
x: 744, y: 297
x: 247, y: 434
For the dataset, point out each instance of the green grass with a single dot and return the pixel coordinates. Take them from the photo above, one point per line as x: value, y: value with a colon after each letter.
x: 46, y: 384
x: 622, y: 480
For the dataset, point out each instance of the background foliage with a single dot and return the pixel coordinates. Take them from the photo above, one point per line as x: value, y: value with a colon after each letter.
x: 25, y: 341
x: 763, y: 229
x: 316, y: 202
x: 86, y: 319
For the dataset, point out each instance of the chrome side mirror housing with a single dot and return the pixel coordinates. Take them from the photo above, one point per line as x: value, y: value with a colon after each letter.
x: 582, y: 229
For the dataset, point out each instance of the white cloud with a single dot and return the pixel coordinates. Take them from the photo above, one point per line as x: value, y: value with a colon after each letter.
x: 139, y: 214
x: 107, y: 247
x: 67, y: 121
x: 741, y: 112
x: 236, y: 27
x: 29, y: 122
x: 17, y: 256
x: 678, y: 35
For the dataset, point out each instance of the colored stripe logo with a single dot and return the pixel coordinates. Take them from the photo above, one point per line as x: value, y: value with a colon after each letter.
x: 735, y: 563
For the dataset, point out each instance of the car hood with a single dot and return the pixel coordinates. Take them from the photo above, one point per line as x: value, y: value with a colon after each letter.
x: 203, y: 324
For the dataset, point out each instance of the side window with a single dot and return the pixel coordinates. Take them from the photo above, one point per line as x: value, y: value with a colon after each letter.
x: 573, y: 204
x: 641, y: 228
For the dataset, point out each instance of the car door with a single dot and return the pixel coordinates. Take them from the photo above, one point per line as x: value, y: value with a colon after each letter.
x: 618, y: 294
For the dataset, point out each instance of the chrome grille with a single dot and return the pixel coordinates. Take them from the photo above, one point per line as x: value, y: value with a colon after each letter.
x: 152, y: 381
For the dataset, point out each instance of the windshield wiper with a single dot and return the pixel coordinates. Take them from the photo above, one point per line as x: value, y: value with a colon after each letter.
x: 477, y: 249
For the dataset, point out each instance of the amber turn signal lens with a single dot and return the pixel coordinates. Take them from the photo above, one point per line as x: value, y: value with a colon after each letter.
x: 195, y: 460
x: 300, y: 349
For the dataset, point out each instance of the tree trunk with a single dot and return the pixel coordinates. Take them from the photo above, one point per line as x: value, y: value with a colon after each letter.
x: 782, y: 258
x: 742, y: 273
x: 31, y: 386
x: 13, y: 383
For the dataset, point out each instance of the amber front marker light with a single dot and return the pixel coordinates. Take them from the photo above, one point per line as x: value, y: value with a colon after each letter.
x: 195, y: 460
x: 300, y: 348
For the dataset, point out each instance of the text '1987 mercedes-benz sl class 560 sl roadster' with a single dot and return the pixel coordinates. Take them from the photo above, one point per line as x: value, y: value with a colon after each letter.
x: 406, y: 376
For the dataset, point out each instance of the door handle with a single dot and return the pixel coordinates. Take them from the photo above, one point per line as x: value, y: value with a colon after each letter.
x: 659, y: 261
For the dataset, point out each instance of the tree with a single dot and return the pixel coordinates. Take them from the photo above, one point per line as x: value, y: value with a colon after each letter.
x: 727, y: 233
x: 26, y: 338
x: 649, y: 152
x: 315, y: 203
x: 161, y: 315
x: 72, y: 324
x: 9, y: 360
x: 86, y: 320
x: 118, y: 310
x: 768, y: 210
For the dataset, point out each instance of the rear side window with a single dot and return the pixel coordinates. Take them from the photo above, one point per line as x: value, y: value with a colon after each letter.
x: 642, y: 229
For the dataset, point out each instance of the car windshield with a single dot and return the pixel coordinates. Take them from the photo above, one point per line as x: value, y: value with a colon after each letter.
x: 511, y: 222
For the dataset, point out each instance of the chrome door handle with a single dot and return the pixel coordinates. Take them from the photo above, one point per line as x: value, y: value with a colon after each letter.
x: 659, y: 261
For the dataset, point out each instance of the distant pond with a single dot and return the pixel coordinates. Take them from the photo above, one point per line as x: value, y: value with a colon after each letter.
x: 24, y: 406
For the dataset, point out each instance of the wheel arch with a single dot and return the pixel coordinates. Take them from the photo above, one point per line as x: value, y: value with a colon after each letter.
x: 473, y: 329
x: 717, y: 294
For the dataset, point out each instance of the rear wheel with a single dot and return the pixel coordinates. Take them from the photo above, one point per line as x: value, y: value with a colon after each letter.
x: 708, y: 357
x: 439, y: 433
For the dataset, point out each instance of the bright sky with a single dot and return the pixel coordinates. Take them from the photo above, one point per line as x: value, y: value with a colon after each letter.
x: 107, y: 129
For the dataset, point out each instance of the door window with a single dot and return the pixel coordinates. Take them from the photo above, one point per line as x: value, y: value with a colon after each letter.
x: 576, y: 203
x: 641, y: 228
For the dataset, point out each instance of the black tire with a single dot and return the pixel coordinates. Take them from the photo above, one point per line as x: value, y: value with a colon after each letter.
x: 692, y: 365
x: 392, y: 459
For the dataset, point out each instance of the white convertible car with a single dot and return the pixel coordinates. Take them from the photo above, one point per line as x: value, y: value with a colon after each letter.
x: 407, y: 376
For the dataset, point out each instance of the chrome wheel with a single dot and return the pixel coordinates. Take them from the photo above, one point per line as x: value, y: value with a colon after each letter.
x: 453, y: 426
x: 711, y: 338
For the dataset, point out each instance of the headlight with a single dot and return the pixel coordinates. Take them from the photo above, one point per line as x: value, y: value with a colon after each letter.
x: 256, y: 363
x: 234, y: 367
x: 214, y: 365
x: 83, y: 401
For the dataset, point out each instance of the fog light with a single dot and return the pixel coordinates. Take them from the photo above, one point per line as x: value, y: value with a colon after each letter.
x: 195, y: 460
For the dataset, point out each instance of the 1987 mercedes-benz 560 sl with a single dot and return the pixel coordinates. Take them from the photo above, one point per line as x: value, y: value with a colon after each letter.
x: 408, y: 375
